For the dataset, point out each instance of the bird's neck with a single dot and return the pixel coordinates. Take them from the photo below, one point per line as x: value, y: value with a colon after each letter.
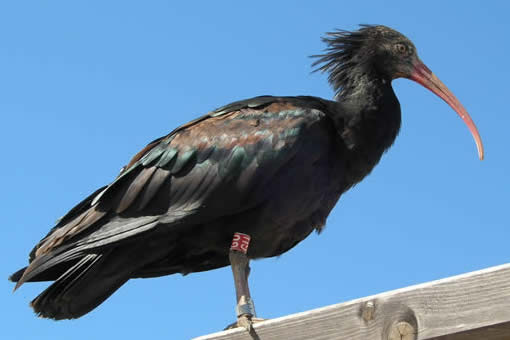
x: 371, y: 121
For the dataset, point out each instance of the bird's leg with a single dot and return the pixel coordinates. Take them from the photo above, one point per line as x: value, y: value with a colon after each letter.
x: 240, y: 264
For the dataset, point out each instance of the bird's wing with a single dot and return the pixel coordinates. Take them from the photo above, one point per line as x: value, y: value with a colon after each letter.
x: 202, y: 170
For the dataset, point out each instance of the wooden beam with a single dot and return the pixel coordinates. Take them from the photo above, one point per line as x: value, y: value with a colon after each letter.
x: 465, y: 307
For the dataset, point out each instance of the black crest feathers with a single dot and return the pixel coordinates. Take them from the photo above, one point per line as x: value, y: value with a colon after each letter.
x: 347, y: 50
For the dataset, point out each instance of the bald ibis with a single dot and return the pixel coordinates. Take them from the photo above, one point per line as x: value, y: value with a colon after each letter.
x: 269, y: 168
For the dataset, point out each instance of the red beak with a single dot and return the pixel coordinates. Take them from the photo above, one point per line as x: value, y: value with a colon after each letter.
x: 424, y: 76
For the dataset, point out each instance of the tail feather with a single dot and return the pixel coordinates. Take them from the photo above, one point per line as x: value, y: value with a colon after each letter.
x: 15, y: 277
x: 93, y: 278
x: 80, y: 289
x: 51, y: 274
x: 84, y: 278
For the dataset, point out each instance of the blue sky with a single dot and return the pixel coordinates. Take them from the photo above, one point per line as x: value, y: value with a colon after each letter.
x: 86, y: 84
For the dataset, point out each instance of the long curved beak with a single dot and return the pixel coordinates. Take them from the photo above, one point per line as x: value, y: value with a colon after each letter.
x: 424, y: 76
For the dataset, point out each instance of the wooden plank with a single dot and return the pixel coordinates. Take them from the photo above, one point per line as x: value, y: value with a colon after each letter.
x: 496, y: 332
x: 470, y: 306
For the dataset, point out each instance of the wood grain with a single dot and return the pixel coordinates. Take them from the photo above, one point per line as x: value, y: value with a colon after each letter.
x: 465, y: 307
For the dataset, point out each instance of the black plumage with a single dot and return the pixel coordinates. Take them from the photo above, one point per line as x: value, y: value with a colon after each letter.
x: 270, y: 167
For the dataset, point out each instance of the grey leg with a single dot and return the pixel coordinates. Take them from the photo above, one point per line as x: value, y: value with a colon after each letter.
x: 240, y: 264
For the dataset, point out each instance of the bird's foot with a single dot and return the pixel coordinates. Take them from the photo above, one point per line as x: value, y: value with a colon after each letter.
x: 245, y: 321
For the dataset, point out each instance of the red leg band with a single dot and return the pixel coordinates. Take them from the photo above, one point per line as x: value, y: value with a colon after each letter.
x: 240, y: 242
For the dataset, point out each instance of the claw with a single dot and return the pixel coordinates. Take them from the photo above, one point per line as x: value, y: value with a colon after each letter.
x: 246, y: 322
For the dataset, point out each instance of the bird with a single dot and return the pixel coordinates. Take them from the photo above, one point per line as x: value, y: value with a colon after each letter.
x: 266, y: 170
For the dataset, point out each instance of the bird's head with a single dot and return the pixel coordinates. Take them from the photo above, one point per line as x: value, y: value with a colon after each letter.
x: 386, y: 54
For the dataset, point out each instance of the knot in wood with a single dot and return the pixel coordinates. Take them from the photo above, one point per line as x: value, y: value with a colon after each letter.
x: 402, y: 330
x: 368, y: 311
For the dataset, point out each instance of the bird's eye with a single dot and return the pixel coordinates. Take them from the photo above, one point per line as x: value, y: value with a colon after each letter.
x: 401, y: 48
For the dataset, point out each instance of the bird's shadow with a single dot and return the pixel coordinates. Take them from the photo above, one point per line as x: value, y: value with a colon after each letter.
x: 254, y: 334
